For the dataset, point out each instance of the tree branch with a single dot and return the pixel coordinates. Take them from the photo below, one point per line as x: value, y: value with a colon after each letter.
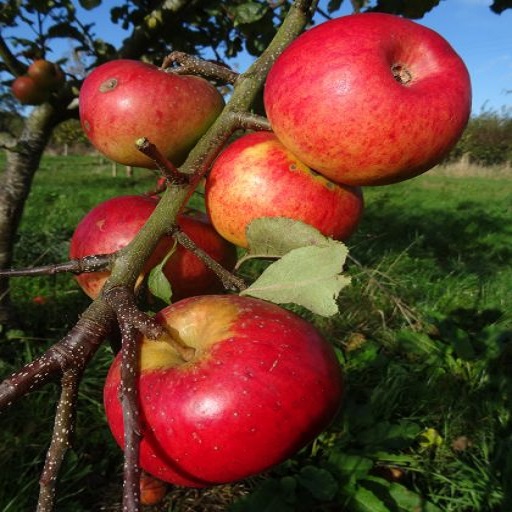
x: 93, y: 263
x: 229, y: 281
x: 73, y: 351
x: 191, y: 65
x: 61, y: 439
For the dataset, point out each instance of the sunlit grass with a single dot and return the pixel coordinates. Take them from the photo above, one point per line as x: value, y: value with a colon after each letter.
x: 424, y: 336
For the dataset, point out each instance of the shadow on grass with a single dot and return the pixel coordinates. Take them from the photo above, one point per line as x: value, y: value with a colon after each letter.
x: 465, y: 238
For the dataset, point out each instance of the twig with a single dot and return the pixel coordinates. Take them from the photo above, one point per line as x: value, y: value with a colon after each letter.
x: 248, y: 121
x: 93, y: 263
x: 131, y: 416
x: 194, y: 66
x: 167, y: 168
x: 132, y: 321
x: 61, y: 439
x: 229, y: 281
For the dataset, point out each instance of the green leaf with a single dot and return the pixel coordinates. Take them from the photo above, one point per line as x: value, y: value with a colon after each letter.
x: 249, y: 12
x: 307, y: 276
x: 158, y: 283
x: 276, y: 236
x: 407, y: 500
x: 365, y: 500
x: 319, y: 482
x: 89, y: 4
x: 271, y: 496
x: 351, y: 466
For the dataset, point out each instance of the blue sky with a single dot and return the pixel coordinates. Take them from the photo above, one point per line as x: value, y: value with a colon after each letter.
x: 483, y: 39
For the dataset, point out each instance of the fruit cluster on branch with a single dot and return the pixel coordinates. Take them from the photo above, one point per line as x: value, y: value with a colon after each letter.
x: 213, y: 364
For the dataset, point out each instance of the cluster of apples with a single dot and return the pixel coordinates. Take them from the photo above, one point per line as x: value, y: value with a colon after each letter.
x: 367, y: 99
x: 36, y: 85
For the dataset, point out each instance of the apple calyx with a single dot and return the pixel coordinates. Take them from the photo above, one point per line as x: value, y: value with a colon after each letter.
x: 108, y: 85
x: 401, y: 73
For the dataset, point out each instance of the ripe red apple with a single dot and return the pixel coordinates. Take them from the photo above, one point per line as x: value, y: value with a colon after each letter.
x: 152, y: 490
x: 28, y: 92
x: 262, y: 384
x: 124, y: 100
x: 256, y: 176
x: 46, y: 74
x: 369, y: 99
x: 111, y: 225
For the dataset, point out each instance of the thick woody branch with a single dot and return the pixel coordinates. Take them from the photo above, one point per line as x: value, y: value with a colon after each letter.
x: 61, y: 439
x: 122, y: 301
x: 78, y: 266
x: 189, y: 65
x: 72, y: 352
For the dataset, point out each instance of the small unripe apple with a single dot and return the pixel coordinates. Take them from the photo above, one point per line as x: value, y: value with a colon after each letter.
x: 46, y: 74
x: 369, y: 99
x: 256, y: 176
x: 112, y: 224
x: 123, y: 101
x: 262, y: 384
x: 28, y: 92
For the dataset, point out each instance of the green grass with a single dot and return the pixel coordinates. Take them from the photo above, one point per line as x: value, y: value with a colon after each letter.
x: 425, y: 339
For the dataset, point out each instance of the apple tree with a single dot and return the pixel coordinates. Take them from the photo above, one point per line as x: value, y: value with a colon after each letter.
x: 174, y: 30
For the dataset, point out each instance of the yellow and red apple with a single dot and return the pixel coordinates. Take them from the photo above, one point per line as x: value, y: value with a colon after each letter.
x: 262, y: 384
x: 256, y: 176
x: 369, y: 99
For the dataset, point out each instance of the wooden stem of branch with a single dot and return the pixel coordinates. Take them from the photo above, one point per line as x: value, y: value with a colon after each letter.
x: 167, y: 168
x: 78, y: 266
x: 122, y: 301
x: 229, y: 281
x: 248, y: 121
x: 131, y: 416
x: 61, y: 439
x: 72, y: 352
x: 194, y: 66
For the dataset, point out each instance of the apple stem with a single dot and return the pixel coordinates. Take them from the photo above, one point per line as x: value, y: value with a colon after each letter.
x: 122, y: 301
x: 167, y: 168
x: 191, y: 65
x: 229, y: 281
x: 93, y: 263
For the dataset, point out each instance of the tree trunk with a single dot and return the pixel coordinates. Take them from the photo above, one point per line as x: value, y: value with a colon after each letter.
x: 15, y: 181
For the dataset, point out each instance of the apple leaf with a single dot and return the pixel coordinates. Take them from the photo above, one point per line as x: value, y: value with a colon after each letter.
x: 158, y: 283
x: 307, y: 276
x: 275, y: 236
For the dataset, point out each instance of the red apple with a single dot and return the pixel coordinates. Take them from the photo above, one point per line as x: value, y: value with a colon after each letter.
x: 152, y: 490
x: 111, y: 225
x: 28, y: 92
x: 369, y: 99
x: 262, y: 384
x: 256, y: 176
x: 46, y: 74
x: 124, y: 100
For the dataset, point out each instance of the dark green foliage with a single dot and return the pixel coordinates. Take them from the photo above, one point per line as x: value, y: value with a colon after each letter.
x: 487, y: 139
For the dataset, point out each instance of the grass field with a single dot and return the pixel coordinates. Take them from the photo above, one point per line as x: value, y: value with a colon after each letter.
x: 425, y: 337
